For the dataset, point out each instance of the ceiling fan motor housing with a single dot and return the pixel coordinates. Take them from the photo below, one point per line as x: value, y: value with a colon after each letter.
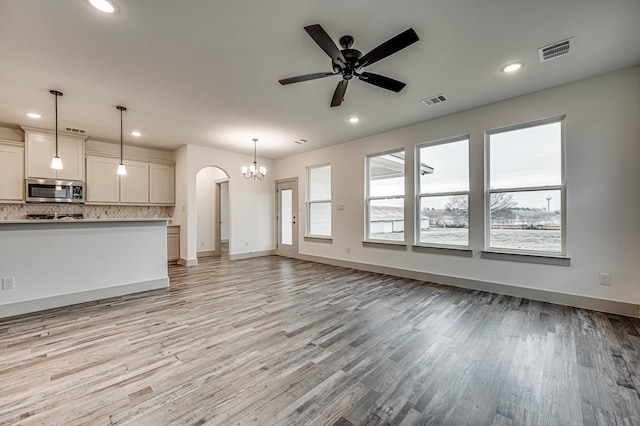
x: 351, y: 57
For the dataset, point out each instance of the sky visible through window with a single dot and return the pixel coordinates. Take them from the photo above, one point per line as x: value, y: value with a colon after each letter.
x: 529, y: 157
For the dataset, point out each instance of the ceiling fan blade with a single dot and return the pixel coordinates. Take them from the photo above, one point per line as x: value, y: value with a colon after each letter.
x: 389, y: 47
x: 382, y: 81
x: 338, y: 95
x: 320, y: 36
x: 305, y: 77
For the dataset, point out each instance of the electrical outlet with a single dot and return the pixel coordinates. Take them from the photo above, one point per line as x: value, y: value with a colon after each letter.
x: 246, y: 243
x: 8, y: 283
x: 605, y: 279
x: 201, y: 243
x: 348, y: 250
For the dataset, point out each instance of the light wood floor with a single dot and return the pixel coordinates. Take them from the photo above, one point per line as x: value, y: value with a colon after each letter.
x: 275, y: 341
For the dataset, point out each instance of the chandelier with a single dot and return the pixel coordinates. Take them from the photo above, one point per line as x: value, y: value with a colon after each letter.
x: 253, y: 171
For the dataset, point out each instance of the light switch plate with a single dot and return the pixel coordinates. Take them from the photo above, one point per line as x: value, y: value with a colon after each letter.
x: 605, y: 279
x: 8, y: 283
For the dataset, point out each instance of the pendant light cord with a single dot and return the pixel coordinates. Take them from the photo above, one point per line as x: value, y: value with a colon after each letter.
x: 120, y: 136
x: 121, y: 108
x: 56, y: 124
x: 56, y: 94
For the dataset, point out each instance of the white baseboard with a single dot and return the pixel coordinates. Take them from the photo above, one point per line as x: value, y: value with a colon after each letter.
x: 28, y: 306
x: 188, y: 262
x: 602, y: 305
x: 250, y: 254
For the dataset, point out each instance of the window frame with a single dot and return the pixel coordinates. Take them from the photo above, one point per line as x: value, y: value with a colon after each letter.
x: 419, y: 194
x: 308, y: 202
x: 562, y: 187
x: 368, y: 198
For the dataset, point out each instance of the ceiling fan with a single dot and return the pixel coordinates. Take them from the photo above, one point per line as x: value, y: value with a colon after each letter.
x: 349, y: 62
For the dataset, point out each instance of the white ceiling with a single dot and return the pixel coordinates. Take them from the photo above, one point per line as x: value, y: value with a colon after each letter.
x: 206, y: 72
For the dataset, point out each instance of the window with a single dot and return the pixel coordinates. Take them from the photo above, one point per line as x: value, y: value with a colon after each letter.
x: 319, y: 201
x: 443, y: 193
x: 385, y: 196
x: 526, y: 192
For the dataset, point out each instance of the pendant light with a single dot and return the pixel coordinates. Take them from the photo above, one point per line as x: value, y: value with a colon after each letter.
x: 56, y: 161
x: 122, y: 170
x: 253, y: 171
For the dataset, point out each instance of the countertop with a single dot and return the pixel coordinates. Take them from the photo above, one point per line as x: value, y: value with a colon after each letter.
x: 80, y: 221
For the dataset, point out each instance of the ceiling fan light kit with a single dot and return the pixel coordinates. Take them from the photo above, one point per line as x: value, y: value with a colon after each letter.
x: 348, y: 62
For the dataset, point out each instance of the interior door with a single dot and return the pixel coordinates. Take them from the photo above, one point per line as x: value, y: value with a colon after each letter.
x: 287, y: 217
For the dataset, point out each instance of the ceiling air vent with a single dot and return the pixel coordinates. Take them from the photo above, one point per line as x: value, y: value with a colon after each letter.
x: 301, y: 141
x: 554, y: 50
x: 72, y: 130
x: 438, y: 99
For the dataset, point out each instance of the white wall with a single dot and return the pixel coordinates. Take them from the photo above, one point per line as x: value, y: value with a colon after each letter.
x: 206, y: 214
x: 250, y: 202
x: 603, y: 201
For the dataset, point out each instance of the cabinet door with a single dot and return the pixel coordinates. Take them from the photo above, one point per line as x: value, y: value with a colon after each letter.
x: 173, y: 243
x: 161, y: 184
x: 103, y: 185
x: 11, y: 173
x: 134, y: 186
x: 71, y: 152
x: 40, y: 150
x: 41, y: 147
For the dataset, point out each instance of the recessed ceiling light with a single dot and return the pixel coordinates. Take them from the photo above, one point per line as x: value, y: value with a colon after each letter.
x: 33, y: 115
x: 103, y: 6
x: 136, y: 133
x: 354, y: 120
x: 512, y: 67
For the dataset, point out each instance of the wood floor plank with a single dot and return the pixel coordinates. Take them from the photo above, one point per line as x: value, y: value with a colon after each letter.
x: 272, y: 341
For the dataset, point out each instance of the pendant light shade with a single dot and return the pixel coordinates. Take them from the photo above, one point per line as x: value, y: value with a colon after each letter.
x: 122, y: 170
x: 56, y: 161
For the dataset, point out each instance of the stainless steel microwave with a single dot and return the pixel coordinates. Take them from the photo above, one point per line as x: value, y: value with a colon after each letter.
x: 54, y: 191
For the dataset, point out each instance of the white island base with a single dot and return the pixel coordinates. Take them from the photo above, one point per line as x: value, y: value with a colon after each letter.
x: 56, y: 263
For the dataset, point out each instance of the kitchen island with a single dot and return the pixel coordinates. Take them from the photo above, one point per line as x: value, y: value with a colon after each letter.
x: 56, y: 263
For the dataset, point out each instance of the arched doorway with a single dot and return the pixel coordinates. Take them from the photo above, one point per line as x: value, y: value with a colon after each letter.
x: 212, y: 212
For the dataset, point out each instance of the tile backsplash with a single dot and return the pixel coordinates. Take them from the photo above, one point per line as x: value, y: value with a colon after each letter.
x: 20, y: 211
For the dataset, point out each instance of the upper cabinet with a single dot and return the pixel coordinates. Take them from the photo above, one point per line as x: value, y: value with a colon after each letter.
x: 11, y: 172
x: 161, y: 184
x: 103, y: 183
x: 41, y: 147
x: 146, y: 183
x: 134, y: 186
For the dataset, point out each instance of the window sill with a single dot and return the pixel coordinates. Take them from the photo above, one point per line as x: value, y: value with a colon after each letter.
x: 544, y: 259
x: 454, y: 251
x: 393, y: 245
x: 315, y: 239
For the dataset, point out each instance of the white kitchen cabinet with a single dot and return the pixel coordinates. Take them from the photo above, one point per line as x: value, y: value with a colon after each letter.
x: 103, y: 183
x: 145, y: 182
x: 134, y: 186
x: 173, y: 243
x: 41, y: 147
x: 11, y: 172
x: 161, y: 184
